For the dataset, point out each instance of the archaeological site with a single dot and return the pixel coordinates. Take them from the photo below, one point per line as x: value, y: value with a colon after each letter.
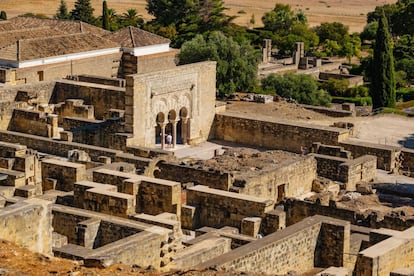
x: 110, y: 153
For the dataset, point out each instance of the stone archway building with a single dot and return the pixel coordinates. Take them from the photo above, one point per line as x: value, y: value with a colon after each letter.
x: 178, y: 101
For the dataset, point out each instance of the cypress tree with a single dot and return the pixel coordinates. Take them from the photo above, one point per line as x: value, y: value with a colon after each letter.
x: 62, y: 12
x: 3, y: 15
x: 382, y: 86
x: 83, y: 11
x: 105, y: 19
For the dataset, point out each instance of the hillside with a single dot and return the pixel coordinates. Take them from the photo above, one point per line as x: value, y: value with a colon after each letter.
x: 350, y: 12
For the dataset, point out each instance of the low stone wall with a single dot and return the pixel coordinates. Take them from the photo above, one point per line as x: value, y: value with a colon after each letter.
x: 33, y: 122
x: 274, y: 134
x: 388, y: 255
x: 185, y: 174
x: 39, y: 91
x: 216, y: 208
x: 55, y: 147
x: 407, y: 159
x: 387, y: 156
x: 65, y: 173
x: 297, y: 210
x: 354, y: 80
x: 28, y: 224
x: 116, y: 240
x: 329, y: 111
x: 292, y: 180
x: 99, y: 80
x: 6, y: 112
x: 347, y: 171
x: 314, y: 242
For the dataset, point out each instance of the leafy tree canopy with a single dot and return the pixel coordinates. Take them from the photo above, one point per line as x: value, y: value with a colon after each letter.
x: 236, y: 63
x: 282, y: 18
x: 302, y: 88
x: 335, y: 31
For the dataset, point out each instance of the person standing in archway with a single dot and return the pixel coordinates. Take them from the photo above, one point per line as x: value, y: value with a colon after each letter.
x: 169, y: 140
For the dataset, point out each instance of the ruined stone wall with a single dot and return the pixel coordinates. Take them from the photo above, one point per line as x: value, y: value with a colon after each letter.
x: 292, y: 249
x: 41, y: 91
x: 291, y: 180
x: 354, y: 80
x: 408, y: 159
x: 297, y: 210
x: 55, y: 147
x: 66, y: 173
x: 186, y: 174
x: 102, y: 97
x: 347, y: 171
x: 387, y: 156
x: 100, y: 80
x: 274, y: 134
x: 216, y: 208
x: 329, y: 111
x: 107, y: 66
x: 6, y: 112
x: 392, y: 253
x: 32, y: 122
x: 28, y: 224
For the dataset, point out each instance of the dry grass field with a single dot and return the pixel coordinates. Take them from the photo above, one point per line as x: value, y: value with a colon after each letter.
x: 350, y: 12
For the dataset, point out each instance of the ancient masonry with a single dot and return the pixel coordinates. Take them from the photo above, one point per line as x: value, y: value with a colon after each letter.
x: 86, y: 174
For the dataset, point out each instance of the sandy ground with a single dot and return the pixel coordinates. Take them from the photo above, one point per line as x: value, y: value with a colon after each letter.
x: 350, y: 12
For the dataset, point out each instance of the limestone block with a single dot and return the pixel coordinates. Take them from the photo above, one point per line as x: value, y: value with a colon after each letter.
x: 189, y: 217
x: 364, y: 188
x: 251, y: 226
x: 59, y: 240
x: 66, y: 136
x: 49, y: 184
x: 27, y: 191
x: 274, y: 220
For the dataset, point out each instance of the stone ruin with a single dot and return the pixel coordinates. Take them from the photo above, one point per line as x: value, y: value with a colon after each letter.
x: 79, y: 180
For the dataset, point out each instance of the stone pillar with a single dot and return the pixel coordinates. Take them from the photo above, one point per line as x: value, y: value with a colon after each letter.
x: 174, y: 132
x: 184, y: 128
x: 162, y: 126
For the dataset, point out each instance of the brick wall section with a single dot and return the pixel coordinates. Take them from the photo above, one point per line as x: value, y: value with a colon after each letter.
x: 102, y: 97
x: 274, y: 134
x: 292, y: 249
x: 28, y: 224
x: 387, y: 156
x: 216, y: 208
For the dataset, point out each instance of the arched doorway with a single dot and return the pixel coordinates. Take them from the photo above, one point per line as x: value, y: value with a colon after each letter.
x: 171, y: 128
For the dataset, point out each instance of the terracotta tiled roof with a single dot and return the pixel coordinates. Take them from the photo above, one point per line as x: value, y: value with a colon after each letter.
x: 66, y: 26
x: 132, y: 37
x: 9, y: 37
x: 54, y: 46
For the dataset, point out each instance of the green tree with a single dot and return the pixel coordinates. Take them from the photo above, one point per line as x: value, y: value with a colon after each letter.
x: 351, y: 47
x: 236, y: 63
x: 302, y: 88
x: 131, y: 18
x: 382, y: 88
x: 83, y: 11
x: 105, y: 20
x: 282, y: 18
x: 333, y: 31
x: 170, y: 12
x: 62, y: 12
x: 370, y: 31
x: 336, y: 87
x: 212, y: 15
x: 3, y: 15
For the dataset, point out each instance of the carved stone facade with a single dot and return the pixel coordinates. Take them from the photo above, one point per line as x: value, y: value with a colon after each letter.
x: 177, y: 101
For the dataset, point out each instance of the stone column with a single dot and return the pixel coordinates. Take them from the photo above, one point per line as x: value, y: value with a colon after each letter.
x: 162, y: 126
x: 174, y: 132
x: 184, y: 127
